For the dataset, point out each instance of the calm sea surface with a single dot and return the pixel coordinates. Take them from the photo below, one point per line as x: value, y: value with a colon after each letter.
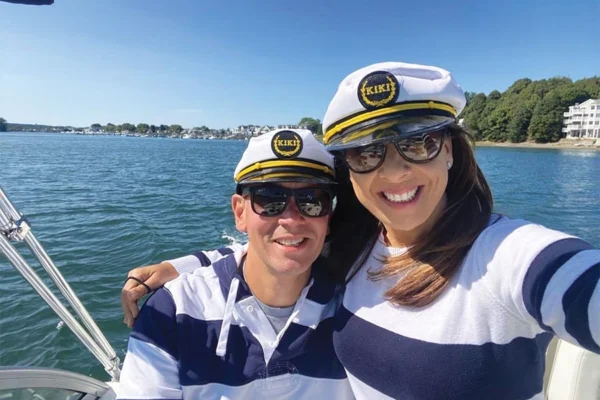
x: 102, y: 205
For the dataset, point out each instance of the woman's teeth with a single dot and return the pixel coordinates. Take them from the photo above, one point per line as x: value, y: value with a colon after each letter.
x: 294, y: 243
x: 401, y: 197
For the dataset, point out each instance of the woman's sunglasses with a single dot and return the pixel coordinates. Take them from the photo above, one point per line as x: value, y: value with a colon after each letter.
x: 415, y: 149
x: 271, y: 201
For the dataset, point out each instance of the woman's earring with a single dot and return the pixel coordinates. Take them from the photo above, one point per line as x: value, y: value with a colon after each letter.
x: 449, y: 164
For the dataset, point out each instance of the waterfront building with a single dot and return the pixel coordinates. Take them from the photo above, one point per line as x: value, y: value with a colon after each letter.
x: 246, y: 130
x: 257, y: 130
x: 582, y: 121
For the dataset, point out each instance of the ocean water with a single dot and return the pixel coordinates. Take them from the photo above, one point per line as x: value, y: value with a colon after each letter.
x: 103, y: 205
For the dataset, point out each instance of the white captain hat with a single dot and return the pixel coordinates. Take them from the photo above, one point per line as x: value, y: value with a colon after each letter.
x: 285, y: 155
x: 411, y: 98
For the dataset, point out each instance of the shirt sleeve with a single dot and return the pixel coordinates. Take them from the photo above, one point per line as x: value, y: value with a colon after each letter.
x: 548, y: 278
x: 150, y: 369
x: 202, y: 258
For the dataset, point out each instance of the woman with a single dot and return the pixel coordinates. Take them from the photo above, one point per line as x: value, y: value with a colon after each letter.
x: 443, y: 299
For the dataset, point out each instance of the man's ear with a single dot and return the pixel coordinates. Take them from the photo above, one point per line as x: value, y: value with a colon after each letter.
x: 238, y: 206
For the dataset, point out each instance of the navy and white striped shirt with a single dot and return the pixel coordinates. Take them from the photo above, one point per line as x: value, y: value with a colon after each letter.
x: 204, y: 336
x: 485, y: 336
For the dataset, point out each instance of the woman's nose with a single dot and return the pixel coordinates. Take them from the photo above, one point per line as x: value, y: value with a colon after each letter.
x: 394, y: 166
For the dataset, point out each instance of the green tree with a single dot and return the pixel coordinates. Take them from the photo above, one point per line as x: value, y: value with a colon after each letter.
x: 572, y: 94
x: 127, y: 127
x: 472, y: 114
x: 469, y: 96
x: 163, y: 130
x: 96, y: 126
x: 3, y: 126
x: 527, y: 110
x: 590, y: 86
x: 142, y: 128
x: 547, y: 119
x: 518, y: 87
x: 175, y: 129
x: 484, y: 124
x: 518, y: 124
x: 545, y: 86
x: 311, y: 124
x: 111, y: 128
x: 498, y: 124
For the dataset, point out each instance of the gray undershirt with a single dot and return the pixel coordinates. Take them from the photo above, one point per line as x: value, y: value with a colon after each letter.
x: 277, y: 316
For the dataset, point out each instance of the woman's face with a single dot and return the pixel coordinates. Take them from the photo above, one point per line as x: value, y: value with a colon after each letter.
x: 406, y: 198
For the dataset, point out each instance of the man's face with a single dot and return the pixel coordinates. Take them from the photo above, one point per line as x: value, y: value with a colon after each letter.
x: 286, y: 244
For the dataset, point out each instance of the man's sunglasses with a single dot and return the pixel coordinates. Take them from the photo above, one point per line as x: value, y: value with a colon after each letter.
x: 271, y: 201
x: 415, y: 149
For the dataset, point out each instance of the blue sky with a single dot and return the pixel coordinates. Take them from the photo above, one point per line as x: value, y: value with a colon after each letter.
x: 225, y: 63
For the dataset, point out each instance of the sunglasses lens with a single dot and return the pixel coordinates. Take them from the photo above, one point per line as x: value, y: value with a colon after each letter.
x: 272, y: 201
x: 269, y: 201
x: 364, y: 159
x: 313, y: 202
x: 421, y: 148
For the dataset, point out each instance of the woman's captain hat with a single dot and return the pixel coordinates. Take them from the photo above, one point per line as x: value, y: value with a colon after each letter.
x: 285, y: 155
x: 412, y: 98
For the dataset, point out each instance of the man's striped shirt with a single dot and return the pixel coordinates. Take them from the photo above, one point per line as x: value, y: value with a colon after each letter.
x: 205, y: 336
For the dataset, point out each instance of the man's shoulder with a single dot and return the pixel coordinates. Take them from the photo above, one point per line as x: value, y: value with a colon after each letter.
x: 202, y: 294
x: 204, y: 258
x: 212, y: 269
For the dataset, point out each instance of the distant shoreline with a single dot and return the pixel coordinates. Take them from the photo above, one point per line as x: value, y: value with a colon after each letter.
x: 561, y: 145
x: 564, y: 144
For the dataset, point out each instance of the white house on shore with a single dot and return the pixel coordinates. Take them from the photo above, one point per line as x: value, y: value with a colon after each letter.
x: 257, y: 130
x: 582, y: 121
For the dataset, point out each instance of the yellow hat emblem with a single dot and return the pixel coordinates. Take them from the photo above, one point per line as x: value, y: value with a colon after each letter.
x: 378, y: 89
x: 286, y: 144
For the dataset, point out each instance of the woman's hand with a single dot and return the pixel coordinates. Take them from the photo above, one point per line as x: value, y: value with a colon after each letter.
x: 140, y: 281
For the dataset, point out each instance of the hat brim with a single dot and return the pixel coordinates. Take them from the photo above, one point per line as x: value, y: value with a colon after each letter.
x: 377, y: 131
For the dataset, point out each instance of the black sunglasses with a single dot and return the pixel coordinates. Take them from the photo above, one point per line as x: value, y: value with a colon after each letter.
x: 415, y: 149
x: 271, y: 201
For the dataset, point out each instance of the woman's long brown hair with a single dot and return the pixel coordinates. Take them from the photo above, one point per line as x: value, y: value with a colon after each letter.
x: 427, y: 266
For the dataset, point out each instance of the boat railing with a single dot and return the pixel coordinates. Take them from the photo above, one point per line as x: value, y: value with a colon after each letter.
x: 14, y: 227
x: 46, y: 383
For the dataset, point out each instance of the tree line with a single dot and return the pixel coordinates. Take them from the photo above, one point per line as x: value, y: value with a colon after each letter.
x: 142, y: 128
x: 527, y: 111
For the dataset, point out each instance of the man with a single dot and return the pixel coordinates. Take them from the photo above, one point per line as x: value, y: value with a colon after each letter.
x: 257, y: 322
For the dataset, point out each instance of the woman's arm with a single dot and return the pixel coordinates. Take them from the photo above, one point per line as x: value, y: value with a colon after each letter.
x: 561, y: 290
x: 547, y: 278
